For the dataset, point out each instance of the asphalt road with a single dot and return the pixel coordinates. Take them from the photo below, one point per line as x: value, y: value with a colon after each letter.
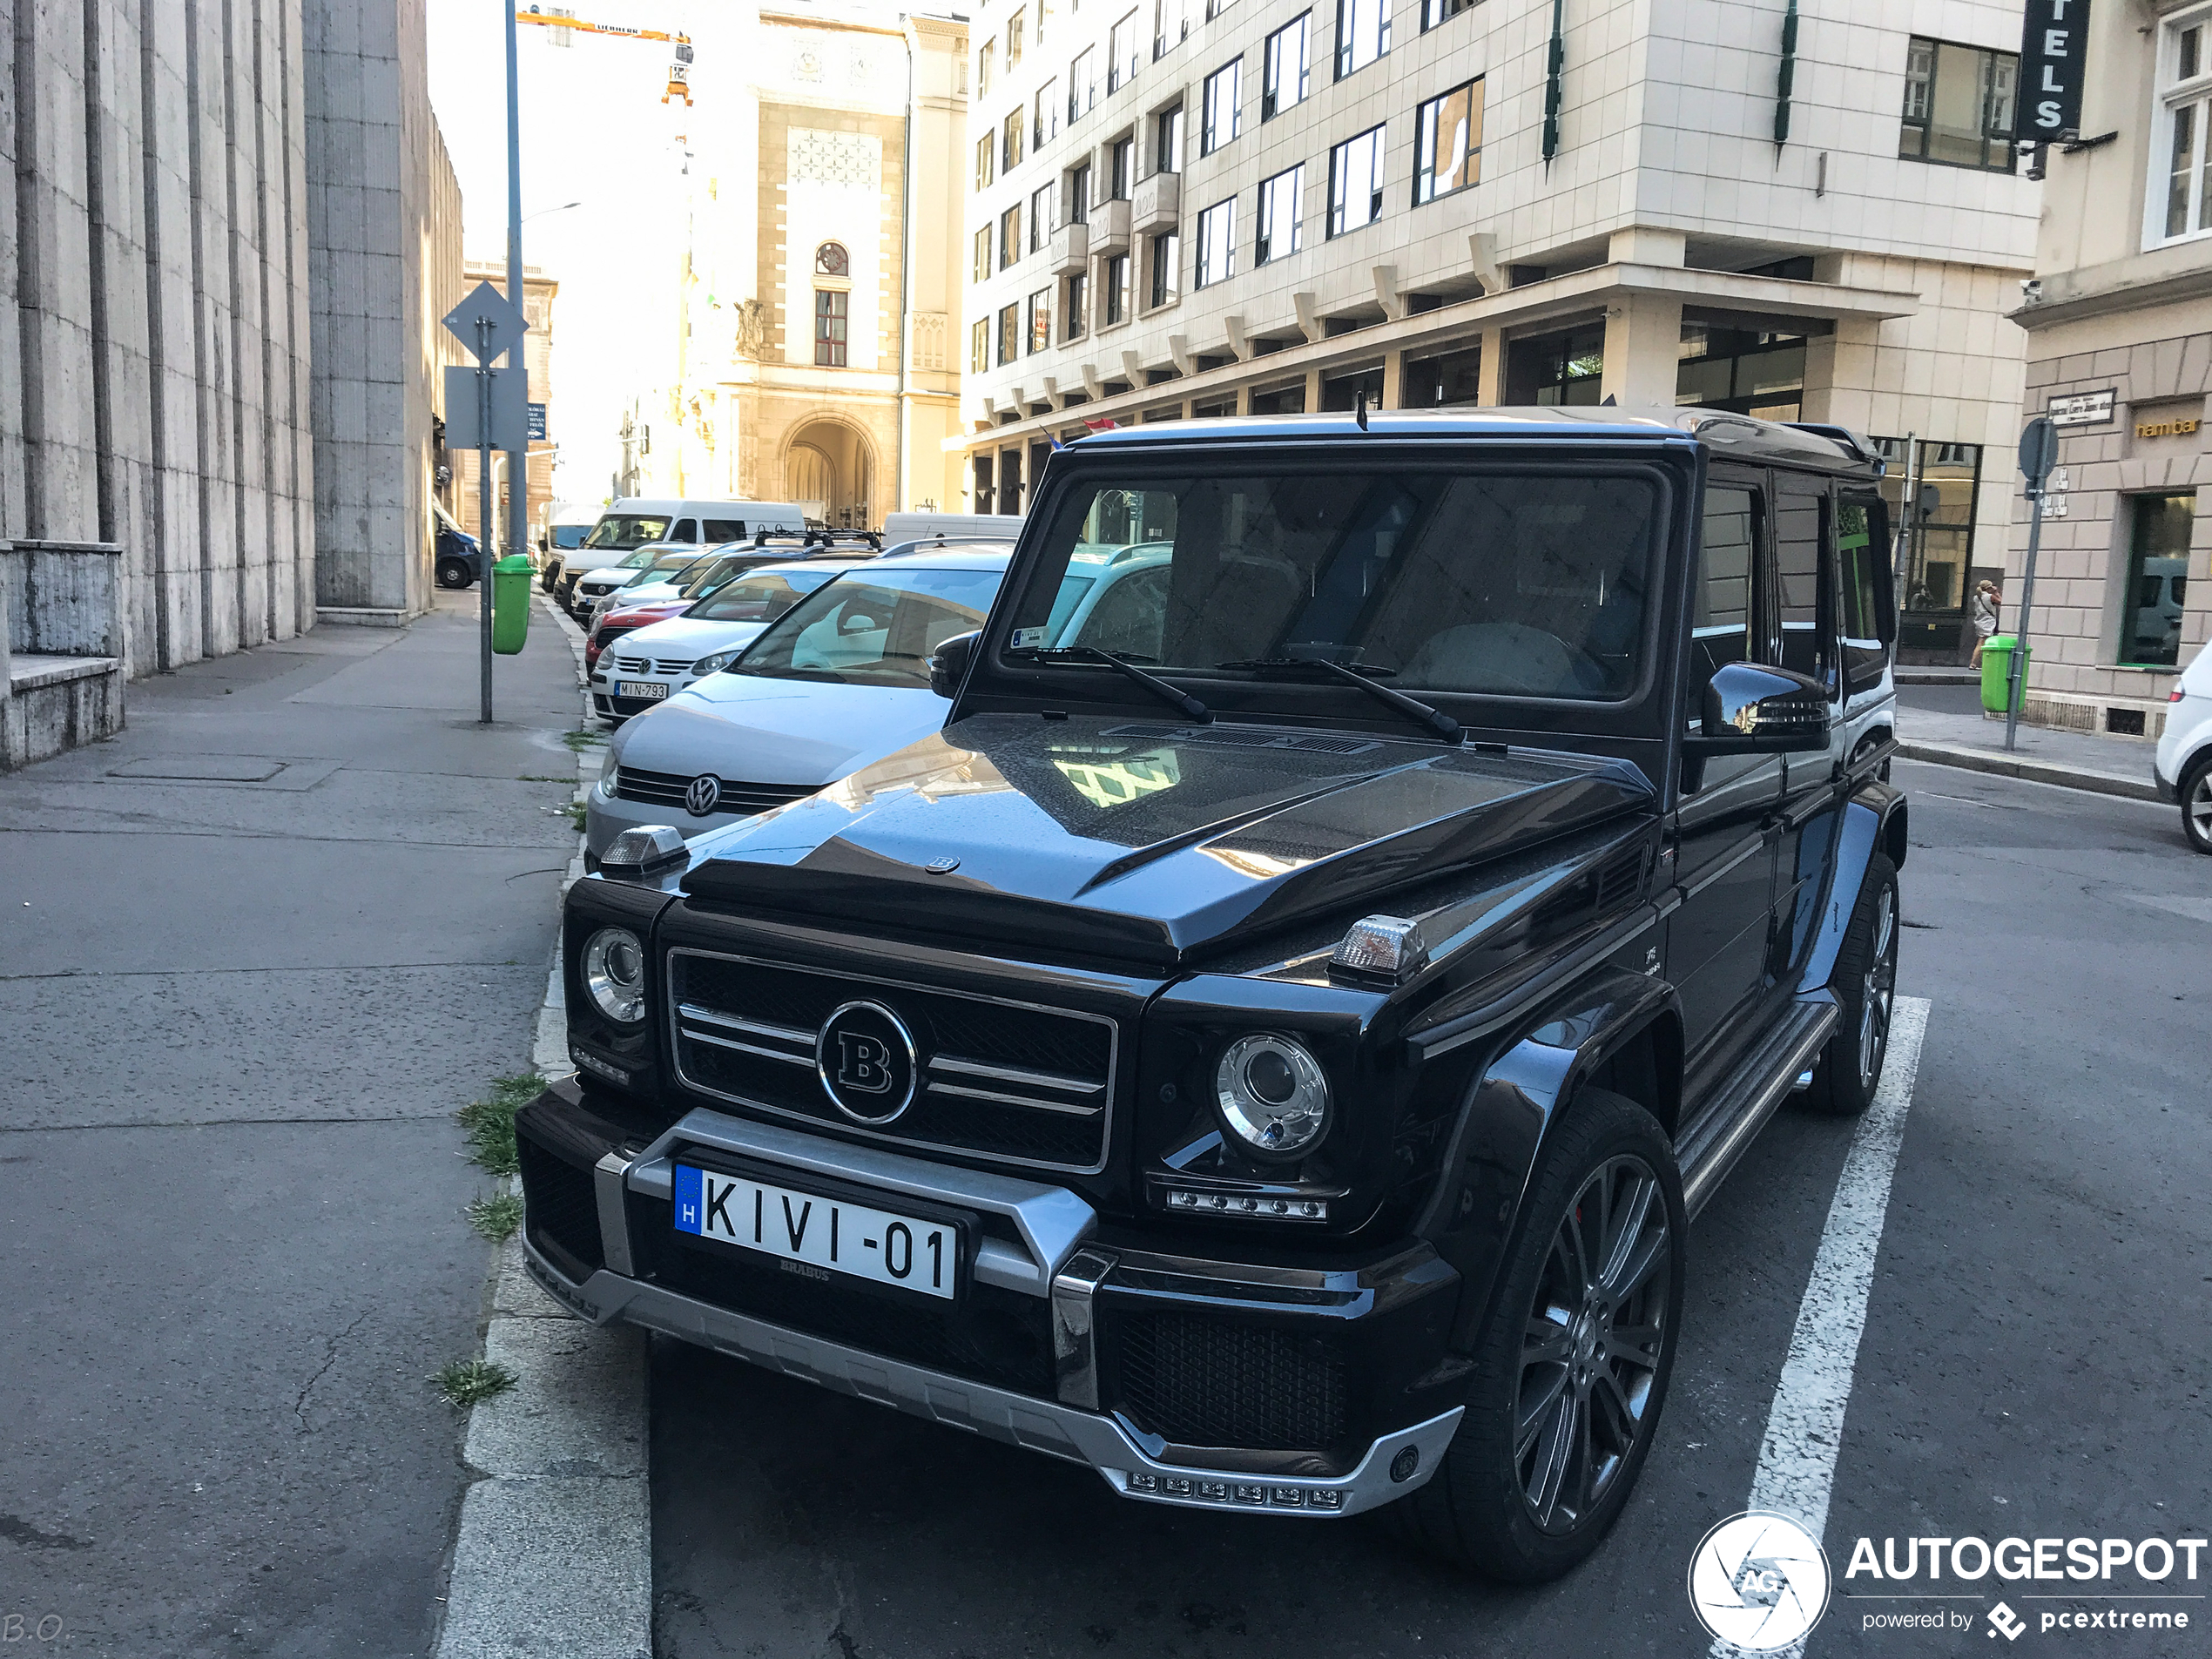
x: 253, y: 952
x: 2033, y: 1363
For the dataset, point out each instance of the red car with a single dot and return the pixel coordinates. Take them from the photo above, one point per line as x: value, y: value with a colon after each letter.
x: 611, y: 625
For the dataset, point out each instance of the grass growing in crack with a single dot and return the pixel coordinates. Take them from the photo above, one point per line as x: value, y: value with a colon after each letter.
x: 577, y: 815
x: 466, y: 1381
x: 497, y: 1217
x: 583, y: 739
x: 489, y: 1123
x: 542, y: 778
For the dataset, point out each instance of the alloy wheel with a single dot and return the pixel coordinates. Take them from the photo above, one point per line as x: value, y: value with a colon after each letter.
x: 1593, y: 1343
x: 2199, y: 808
x: 1879, y: 990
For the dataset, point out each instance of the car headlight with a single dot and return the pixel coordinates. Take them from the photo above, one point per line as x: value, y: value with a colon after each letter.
x: 1272, y: 1094
x: 608, y: 767
x: 714, y: 664
x: 614, y: 974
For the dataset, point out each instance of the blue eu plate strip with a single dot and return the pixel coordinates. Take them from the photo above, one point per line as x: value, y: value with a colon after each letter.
x: 689, y: 1203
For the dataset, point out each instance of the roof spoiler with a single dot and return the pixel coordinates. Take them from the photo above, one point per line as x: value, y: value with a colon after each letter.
x: 1850, y: 441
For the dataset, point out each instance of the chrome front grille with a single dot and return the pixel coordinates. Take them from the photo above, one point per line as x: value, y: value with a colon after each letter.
x: 669, y: 788
x: 635, y: 664
x: 998, y: 1079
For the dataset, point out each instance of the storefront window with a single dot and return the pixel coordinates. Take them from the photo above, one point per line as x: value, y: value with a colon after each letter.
x: 1745, y: 370
x: 2158, y: 568
x: 1556, y: 368
x: 1938, y: 569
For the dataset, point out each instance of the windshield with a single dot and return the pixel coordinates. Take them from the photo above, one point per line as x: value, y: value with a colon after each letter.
x: 1528, y: 584
x: 662, y: 569
x: 877, y: 630
x: 619, y: 532
x: 568, y: 536
x: 762, y: 597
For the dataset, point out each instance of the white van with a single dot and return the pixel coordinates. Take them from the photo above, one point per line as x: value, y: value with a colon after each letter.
x: 633, y: 522
x: 899, y: 528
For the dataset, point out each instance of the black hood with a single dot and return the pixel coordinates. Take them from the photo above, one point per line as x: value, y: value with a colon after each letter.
x: 1146, y: 842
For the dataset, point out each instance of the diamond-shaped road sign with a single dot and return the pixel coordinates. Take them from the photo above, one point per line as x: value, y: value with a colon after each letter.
x: 486, y: 305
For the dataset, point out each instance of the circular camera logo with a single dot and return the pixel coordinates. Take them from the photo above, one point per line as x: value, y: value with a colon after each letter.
x: 1759, y: 1581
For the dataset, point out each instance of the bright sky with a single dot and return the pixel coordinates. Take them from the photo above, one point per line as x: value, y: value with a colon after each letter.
x: 594, y: 129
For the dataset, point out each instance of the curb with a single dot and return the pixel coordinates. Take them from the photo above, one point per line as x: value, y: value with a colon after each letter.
x: 554, y: 1550
x: 2034, y: 771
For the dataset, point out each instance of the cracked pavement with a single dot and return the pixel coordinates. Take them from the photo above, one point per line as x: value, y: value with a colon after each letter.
x: 240, y: 1016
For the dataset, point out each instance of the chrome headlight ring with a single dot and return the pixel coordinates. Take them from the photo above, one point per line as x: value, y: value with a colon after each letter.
x: 613, y: 970
x: 1272, y: 1095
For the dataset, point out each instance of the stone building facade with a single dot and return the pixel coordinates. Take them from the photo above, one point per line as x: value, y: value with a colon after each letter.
x: 1179, y: 208
x: 2120, y: 353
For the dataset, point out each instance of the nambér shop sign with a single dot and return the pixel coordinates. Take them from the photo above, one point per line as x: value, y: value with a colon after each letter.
x: 2055, y: 44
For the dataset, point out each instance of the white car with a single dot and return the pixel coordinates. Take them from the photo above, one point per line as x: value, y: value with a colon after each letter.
x: 645, y: 668
x: 664, y: 576
x: 2184, y: 762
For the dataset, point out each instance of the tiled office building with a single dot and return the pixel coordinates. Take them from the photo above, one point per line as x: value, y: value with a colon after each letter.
x: 1183, y: 207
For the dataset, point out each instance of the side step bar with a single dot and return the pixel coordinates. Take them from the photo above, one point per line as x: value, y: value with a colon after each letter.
x: 1725, y: 1129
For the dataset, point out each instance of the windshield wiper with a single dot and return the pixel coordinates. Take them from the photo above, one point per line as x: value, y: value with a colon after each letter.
x: 1440, y: 724
x: 1191, y: 709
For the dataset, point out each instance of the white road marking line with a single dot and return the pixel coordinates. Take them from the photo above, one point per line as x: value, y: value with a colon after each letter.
x: 1805, y: 1425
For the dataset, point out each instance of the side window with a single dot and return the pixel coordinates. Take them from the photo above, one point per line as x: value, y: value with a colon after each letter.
x: 1720, y: 618
x: 683, y: 530
x: 1867, y: 619
x: 726, y: 529
x: 1800, y: 506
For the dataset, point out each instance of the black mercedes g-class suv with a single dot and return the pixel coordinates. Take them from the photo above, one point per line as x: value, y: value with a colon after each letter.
x: 1269, y: 1047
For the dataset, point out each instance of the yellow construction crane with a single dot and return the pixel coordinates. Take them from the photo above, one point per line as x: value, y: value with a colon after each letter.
x: 679, y: 72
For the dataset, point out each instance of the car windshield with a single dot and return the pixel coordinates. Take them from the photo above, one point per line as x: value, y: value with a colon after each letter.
x: 762, y: 597
x: 618, y: 532
x: 706, y: 574
x: 569, y: 535
x: 1505, y: 583
x: 876, y: 629
x: 662, y: 569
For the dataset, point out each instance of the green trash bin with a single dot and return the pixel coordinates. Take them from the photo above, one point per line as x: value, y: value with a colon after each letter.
x: 1997, y: 672
x: 510, y: 603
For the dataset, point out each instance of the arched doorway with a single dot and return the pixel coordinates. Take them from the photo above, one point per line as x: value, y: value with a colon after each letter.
x: 829, y: 469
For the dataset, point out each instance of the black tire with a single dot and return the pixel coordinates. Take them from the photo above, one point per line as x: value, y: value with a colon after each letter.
x: 454, y: 573
x: 1559, y: 1421
x: 1849, y: 1067
x: 2196, y: 804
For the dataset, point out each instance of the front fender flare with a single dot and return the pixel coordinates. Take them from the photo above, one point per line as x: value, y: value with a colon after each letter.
x: 1874, y: 821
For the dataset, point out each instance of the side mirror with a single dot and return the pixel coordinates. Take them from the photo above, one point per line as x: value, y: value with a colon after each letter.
x: 948, y: 663
x: 1750, y: 708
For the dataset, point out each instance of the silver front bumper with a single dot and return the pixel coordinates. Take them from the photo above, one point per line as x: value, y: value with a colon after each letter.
x: 1046, y: 1425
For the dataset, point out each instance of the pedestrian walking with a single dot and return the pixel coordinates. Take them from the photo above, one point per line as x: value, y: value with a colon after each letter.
x: 1983, y: 614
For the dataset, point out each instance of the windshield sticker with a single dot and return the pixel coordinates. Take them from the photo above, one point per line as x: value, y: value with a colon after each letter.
x: 1028, y: 638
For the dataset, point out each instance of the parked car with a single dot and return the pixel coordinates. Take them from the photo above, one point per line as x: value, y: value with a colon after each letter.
x: 457, y: 559
x: 648, y: 599
x: 665, y: 656
x: 1274, y: 1058
x: 670, y: 573
x: 566, y: 525
x: 2183, y: 764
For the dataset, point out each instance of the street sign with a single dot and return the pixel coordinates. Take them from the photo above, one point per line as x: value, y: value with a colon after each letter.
x: 509, y: 403
x: 2081, y: 409
x: 2038, y: 450
x: 537, y: 422
x: 485, y: 305
x: 2055, y: 44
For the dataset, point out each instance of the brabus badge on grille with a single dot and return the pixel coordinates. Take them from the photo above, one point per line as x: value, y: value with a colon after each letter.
x: 866, y: 1059
x: 703, y: 795
x: 941, y: 866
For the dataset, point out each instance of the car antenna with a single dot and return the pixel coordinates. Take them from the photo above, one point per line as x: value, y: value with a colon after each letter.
x: 1360, y: 407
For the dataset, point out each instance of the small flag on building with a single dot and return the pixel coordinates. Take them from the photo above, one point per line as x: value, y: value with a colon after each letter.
x: 1106, y: 425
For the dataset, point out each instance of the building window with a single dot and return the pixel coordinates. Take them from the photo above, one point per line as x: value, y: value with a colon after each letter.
x: 1117, y: 288
x: 1959, y: 103
x: 1281, y: 399
x: 1356, y: 182
x: 979, y: 346
x: 2182, y: 206
x: 1215, y: 8
x: 1044, y: 12
x: 1039, y: 308
x: 1363, y: 33
x: 2158, y: 568
x: 1121, y: 162
x: 1937, y: 565
x: 1009, y: 333
x: 1455, y: 377
x: 987, y: 155
x: 1077, y: 309
x: 1283, y: 75
x: 1010, y: 236
x: 1280, y: 197
x: 1078, y: 195
x: 1341, y: 392
x: 1170, y: 25
x: 1083, y: 84
x: 1167, y: 140
x: 1448, y: 143
x: 1121, y: 57
x: 1167, y: 267
x: 1565, y: 368
x: 1217, y: 244
x: 832, y: 259
x: 1011, y: 133
x: 1041, y: 225
x: 1013, y: 25
x: 1047, y: 115
x: 983, y: 253
x: 829, y: 327
x: 1435, y: 11
x: 1217, y: 114
x: 1743, y: 370
x: 983, y: 61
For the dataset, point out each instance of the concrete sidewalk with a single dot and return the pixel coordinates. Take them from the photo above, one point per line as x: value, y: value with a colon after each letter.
x: 2072, y: 759
x: 253, y: 952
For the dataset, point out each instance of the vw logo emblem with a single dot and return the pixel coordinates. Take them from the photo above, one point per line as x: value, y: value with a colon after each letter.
x: 865, y: 1056
x: 704, y: 794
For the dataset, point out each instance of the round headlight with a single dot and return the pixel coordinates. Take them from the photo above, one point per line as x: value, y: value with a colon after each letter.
x: 614, y: 973
x: 1272, y: 1094
x: 713, y: 665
